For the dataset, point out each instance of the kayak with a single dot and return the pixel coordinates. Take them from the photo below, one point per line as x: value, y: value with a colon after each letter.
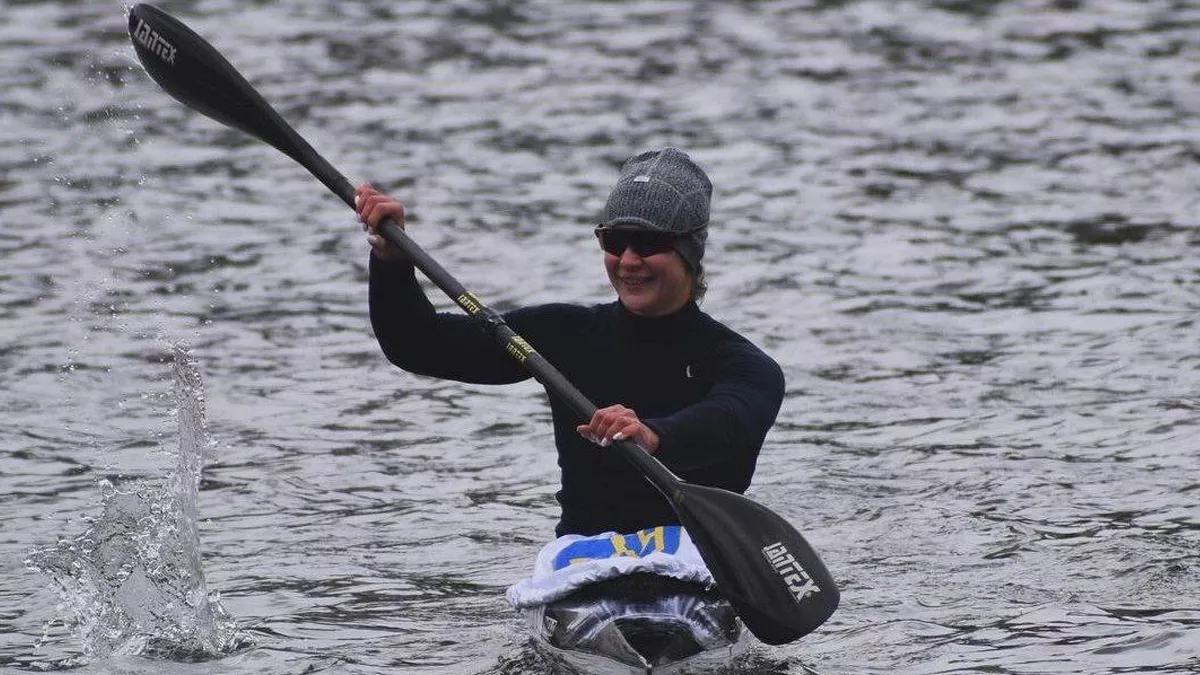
x: 640, y: 623
x: 641, y: 602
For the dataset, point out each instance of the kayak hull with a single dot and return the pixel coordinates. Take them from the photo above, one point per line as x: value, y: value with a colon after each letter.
x: 638, y: 623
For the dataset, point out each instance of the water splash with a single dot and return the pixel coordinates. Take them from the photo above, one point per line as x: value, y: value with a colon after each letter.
x: 132, y: 583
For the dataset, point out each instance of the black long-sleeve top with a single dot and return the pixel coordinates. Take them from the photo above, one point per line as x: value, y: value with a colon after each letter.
x: 709, y: 394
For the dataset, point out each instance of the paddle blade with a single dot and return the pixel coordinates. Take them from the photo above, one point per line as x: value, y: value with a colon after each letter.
x: 762, y: 565
x: 194, y: 73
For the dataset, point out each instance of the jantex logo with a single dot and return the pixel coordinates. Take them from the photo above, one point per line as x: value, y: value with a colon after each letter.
x: 151, y: 40
x: 798, y: 581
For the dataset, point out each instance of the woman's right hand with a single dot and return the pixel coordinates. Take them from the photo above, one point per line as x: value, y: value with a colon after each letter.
x: 372, y: 207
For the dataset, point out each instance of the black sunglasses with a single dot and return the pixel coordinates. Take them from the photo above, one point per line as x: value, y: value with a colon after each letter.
x: 645, y: 243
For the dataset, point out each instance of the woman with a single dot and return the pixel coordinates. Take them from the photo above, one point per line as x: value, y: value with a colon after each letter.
x: 689, y: 390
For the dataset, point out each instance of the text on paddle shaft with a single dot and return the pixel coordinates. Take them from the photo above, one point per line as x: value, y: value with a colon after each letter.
x: 786, y: 565
x: 518, y: 348
x: 469, y: 303
x: 151, y: 40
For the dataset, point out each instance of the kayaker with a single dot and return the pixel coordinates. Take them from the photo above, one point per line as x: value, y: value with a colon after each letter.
x: 693, y: 392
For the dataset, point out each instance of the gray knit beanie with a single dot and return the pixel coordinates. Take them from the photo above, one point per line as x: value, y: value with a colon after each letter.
x: 663, y: 190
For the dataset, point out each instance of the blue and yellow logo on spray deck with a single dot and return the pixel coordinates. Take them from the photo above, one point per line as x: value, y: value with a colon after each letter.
x: 661, y: 539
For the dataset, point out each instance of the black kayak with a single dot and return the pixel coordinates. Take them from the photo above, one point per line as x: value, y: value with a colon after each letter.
x: 638, y: 623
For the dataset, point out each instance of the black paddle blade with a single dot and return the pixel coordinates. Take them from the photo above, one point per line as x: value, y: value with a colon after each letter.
x: 189, y: 69
x: 194, y: 73
x: 762, y: 565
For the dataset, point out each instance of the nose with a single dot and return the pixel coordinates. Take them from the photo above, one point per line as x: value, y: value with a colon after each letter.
x: 630, y: 257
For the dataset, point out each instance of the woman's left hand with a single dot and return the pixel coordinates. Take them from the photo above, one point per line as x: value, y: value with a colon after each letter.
x: 618, y: 423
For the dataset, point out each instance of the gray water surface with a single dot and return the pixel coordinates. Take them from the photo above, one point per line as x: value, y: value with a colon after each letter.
x: 966, y: 230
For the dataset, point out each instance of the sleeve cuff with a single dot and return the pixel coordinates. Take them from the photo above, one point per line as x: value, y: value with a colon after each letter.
x: 380, y: 268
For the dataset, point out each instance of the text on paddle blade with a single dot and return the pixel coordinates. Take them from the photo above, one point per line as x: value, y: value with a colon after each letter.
x: 786, y: 566
x: 155, y: 43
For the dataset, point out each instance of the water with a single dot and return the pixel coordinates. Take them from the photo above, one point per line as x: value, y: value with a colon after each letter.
x: 133, y: 582
x: 967, y: 231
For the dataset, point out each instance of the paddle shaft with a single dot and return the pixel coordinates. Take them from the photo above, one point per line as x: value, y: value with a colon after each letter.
x: 516, y: 346
x: 542, y: 370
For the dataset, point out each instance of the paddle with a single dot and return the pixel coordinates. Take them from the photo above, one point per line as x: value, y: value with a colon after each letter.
x: 762, y: 565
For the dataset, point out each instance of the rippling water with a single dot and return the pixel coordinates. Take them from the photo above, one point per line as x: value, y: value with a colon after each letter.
x: 967, y: 230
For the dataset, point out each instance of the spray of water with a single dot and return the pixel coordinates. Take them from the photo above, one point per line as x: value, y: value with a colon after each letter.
x: 132, y: 583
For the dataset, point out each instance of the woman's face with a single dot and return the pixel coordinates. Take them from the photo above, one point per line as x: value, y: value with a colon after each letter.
x: 654, y: 285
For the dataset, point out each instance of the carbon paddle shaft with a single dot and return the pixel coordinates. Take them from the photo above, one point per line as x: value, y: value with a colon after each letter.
x: 190, y: 69
x: 761, y: 564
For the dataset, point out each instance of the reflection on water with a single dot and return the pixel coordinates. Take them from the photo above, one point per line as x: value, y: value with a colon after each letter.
x: 966, y: 230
